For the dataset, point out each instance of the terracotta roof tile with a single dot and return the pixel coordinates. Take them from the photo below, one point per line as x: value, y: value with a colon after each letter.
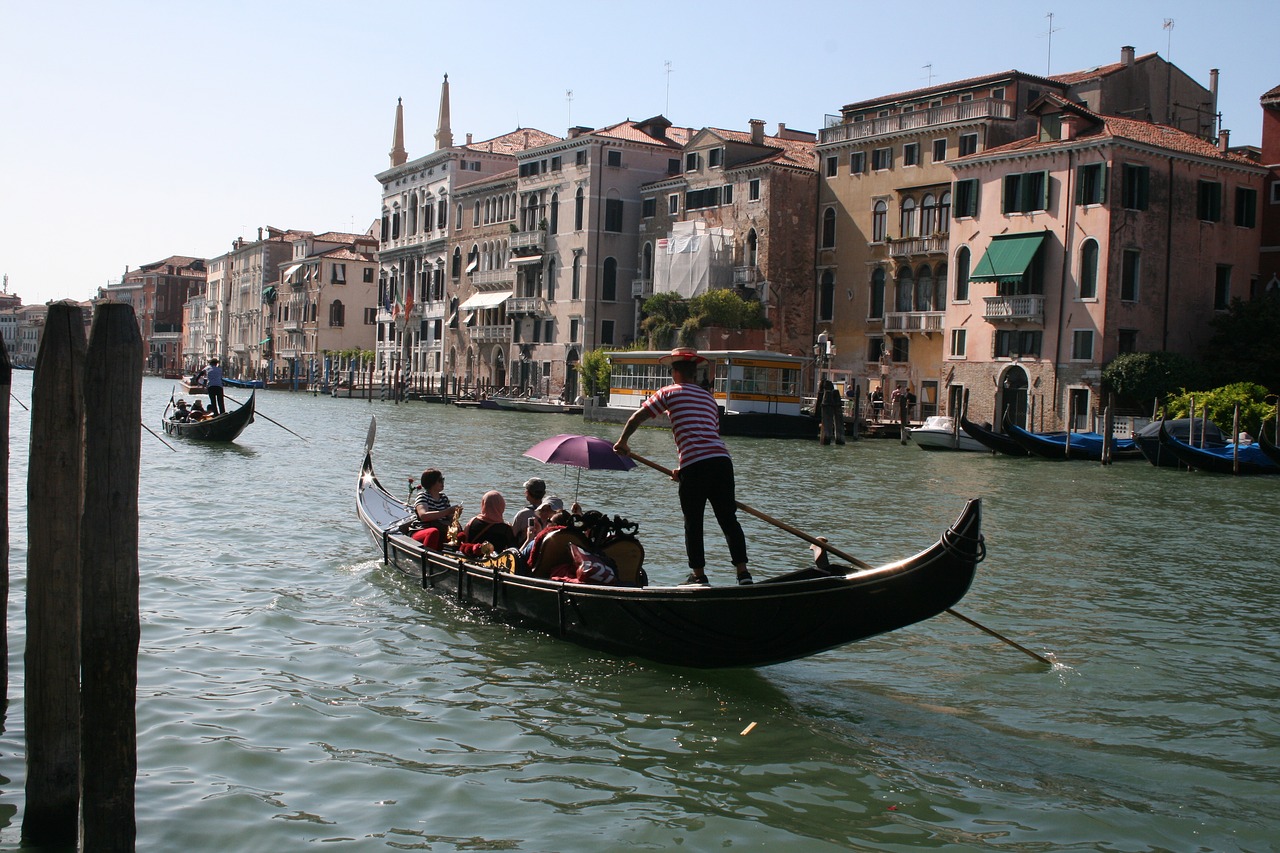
x: 1073, y: 77
x: 966, y: 83
x: 514, y: 142
x: 792, y: 152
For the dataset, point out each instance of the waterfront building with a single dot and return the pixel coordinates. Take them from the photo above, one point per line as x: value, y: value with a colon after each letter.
x: 1269, y: 263
x: 9, y: 305
x: 322, y: 302
x: 1096, y: 236
x: 576, y: 246
x: 885, y: 203
x: 736, y: 214
x: 421, y: 268
x: 158, y: 291
x: 28, y: 329
x: 477, y: 333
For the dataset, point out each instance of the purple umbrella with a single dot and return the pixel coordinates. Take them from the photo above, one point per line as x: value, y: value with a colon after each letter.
x: 580, y: 451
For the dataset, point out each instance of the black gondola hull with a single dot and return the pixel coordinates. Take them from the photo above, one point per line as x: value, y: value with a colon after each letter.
x: 996, y: 442
x: 225, y: 427
x: 781, y: 619
x: 1203, y: 460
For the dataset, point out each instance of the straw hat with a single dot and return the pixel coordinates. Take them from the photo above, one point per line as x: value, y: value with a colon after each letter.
x: 681, y: 354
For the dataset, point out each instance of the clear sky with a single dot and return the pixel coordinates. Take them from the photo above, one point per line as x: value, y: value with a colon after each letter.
x: 137, y: 129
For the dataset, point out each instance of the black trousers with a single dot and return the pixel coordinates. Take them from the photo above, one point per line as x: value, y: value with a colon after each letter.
x: 217, y: 404
x: 710, y: 480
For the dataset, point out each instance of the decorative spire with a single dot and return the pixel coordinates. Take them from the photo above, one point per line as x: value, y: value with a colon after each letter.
x: 444, y: 135
x: 398, y: 154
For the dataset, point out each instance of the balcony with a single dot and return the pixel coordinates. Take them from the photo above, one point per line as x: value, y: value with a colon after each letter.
x: 490, y: 334
x: 529, y: 240
x: 922, y: 322
x: 986, y: 108
x: 910, y: 247
x: 746, y: 276
x: 532, y: 306
x: 294, y: 325
x: 641, y: 288
x: 1014, y: 309
x: 502, y: 279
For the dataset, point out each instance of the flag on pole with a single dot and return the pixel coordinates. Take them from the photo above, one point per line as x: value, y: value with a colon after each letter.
x: 408, y: 299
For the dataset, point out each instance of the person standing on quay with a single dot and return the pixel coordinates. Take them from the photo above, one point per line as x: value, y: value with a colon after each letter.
x: 704, y: 469
x: 212, y: 375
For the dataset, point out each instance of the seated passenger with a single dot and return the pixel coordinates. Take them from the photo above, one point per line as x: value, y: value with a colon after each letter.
x: 488, y: 527
x: 181, y: 412
x: 198, y: 411
x: 540, y: 517
x: 534, y: 489
x: 433, y: 510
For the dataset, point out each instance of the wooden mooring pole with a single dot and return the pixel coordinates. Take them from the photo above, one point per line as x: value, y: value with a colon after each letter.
x: 109, y: 561
x: 6, y: 385
x: 52, y: 659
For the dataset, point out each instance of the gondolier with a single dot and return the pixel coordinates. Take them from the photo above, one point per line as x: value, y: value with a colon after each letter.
x: 212, y: 375
x: 705, y: 469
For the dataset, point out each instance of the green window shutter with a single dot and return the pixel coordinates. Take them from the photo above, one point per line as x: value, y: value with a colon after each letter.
x: 1011, y: 192
x: 1082, y: 184
x: 1104, y: 171
x: 1040, y: 186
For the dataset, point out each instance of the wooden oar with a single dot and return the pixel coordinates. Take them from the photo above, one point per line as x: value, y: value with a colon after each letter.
x: 852, y: 559
x: 19, y: 402
x: 162, y: 441
x: 258, y: 414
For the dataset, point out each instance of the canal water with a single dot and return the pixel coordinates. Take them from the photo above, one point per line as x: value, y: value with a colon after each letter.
x: 293, y: 692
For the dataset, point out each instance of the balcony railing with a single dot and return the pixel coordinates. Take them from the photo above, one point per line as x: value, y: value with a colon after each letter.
x: 641, y: 288
x: 294, y: 325
x: 490, y: 334
x: 945, y: 114
x: 935, y: 244
x: 492, y: 278
x: 534, y: 306
x: 746, y: 275
x: 913, y: 321
x: 1015, y: 308
x: 529, y: 240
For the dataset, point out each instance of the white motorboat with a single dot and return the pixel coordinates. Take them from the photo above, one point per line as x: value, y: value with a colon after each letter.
x: 939, y: 433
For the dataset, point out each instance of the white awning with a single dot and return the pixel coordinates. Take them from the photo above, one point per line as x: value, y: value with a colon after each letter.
x: 526, y: 259
x: 471, y: 267
x: 491, y: 299
x: 289, y: 271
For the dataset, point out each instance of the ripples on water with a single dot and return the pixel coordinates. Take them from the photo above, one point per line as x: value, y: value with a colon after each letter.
x: 292, y: 692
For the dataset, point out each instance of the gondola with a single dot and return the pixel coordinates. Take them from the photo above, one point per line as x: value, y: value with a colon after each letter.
x: 243, y: 383
x: 1185, y: 430
x: 781, y: 618
x: 1269, y: 449
x: 1077, y: 446
x: 1248, y: 459
x: 224, y: 427
x: 996, y: 442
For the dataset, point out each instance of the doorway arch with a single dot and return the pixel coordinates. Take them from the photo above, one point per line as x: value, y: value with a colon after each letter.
x: 1012, y: 397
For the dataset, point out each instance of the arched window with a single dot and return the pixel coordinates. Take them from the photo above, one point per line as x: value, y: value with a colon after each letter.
x: 609, y: 284
x: 944, y: 213
x: 647, y: 263
x: 395, y: 223
x: 879, y: 222
x: 1089, y: 269
x: 908, y: 222
x: 928, y: 215
x: 940, y: 288
x: 386, y: 225
x: 924, y: 289
x: 903, y: 299
x: 413, y: 214
x: 551, y: 280
x: 531, y: 213
x: 962, y: 274
x: 753, y: 248
x: 827, y: 297
x: 829, y: 228
x: 312, y: 311
x: 578, y: 202
x: 876, y: 311
x: 456, y: 270
x: 428, y: 211
x: 555, y: 213
x: 577, y: 277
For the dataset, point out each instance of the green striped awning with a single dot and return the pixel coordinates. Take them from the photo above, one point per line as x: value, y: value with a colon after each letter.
x: 1007, y: 257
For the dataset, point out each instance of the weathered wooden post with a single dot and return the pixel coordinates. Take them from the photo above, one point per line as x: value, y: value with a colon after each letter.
x: 109, y: 559
x: 6, y: 385
x: 52, y: 660
x: 1108, y: 428
x: 1235, y: 441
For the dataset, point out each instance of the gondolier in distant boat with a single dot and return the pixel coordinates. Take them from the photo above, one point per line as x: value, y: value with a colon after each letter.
x: 212, y: 376
x: 704, y: 469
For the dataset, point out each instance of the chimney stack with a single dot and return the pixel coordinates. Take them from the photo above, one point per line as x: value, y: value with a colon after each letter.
x: 468, y: 139
x: 1224, y: 141
x: 1126, y: 55
x: 1213, y: 96
x: 757, y: 131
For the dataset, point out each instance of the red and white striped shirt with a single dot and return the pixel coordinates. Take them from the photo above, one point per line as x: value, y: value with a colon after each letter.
x: 695, y: 420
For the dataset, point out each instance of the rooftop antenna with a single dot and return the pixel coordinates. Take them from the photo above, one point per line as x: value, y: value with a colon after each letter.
x: 568, y: 97
x: 1048, y: 62
x: 1168, y: 68
x: 667, y: 110
x: 929, y: 69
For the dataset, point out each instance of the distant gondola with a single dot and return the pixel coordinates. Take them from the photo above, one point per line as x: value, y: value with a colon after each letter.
x: 1247, y: 459
x: 224, y: 427
x: 1076, y: 446
x: 996, y: 442
x: 1269, y: 449
x: 789, y: 616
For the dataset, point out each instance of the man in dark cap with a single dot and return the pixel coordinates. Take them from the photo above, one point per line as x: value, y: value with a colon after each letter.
x: 705, y: 470
x: 212, y: 375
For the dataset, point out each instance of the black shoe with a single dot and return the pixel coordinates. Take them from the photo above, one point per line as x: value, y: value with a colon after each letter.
x: 744, y: 579
x: 696, y: 580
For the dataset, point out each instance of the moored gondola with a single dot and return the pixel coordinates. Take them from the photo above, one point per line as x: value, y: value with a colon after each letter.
x: 789, y: 616
x: 1268, y: 447
x: 224, y: 427
x: 1247, y: 459
x: 996, y: 442
x: 1078, y: 446
x: 1196, y: 432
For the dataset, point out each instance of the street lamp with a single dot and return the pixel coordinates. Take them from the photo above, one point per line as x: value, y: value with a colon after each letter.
x: 824, y: 351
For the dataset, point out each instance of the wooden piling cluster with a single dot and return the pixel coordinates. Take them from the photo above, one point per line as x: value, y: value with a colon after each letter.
x: 82, y: 581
